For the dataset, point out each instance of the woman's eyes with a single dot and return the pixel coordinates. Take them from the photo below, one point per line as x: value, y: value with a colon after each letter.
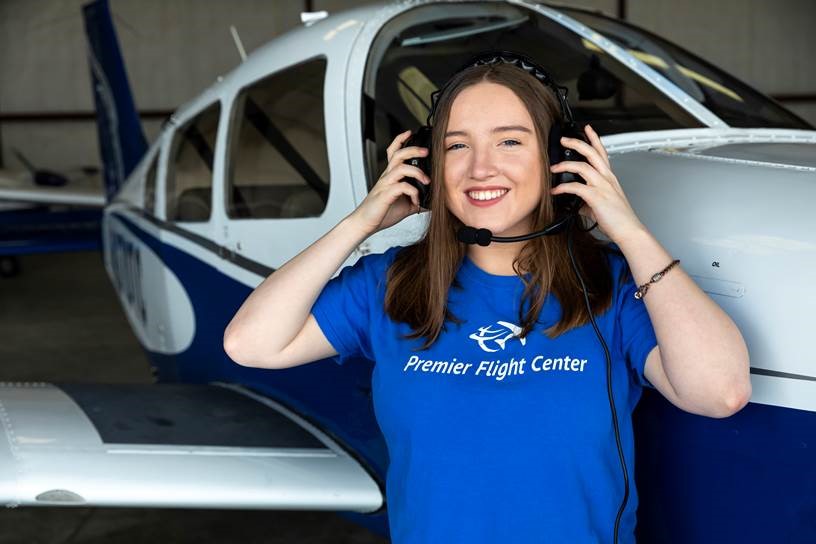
x: 516, y: 142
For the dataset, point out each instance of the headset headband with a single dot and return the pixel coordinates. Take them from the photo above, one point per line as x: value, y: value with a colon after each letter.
x: 516, y: 59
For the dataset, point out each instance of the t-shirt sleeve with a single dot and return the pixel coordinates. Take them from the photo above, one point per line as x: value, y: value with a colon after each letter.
x: 343, y: 309
x: 637, y: 334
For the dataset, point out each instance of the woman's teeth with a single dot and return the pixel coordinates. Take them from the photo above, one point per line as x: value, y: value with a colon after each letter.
x: 486, y: 195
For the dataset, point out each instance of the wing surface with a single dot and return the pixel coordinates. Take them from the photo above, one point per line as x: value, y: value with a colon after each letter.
x: 20, y: 188
x: 170, y: 445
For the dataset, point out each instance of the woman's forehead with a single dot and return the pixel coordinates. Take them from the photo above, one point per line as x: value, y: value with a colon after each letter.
x: 487, y: 106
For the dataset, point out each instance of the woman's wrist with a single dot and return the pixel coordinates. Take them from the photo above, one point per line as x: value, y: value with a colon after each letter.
x: 355, y: 228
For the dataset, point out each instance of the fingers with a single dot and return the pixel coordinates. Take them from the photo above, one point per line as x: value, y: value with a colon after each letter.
x: 397, y: 169
x: 595, y: 140
x: 575, y: 188
x: 405, y: 170
x: 396, y: 143
x: 586, y: 171
x: 405, y: 153
x: 404, y: 189
x: 600, y: 162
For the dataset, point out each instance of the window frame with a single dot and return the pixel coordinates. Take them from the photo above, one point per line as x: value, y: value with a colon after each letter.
x: 235, y: 120
x: 152, y: 168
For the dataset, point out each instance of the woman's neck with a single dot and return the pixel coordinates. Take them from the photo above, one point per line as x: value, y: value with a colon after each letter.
x: 497, y: 258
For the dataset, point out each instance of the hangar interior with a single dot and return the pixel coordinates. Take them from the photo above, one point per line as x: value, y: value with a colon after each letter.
x: 62, y: 318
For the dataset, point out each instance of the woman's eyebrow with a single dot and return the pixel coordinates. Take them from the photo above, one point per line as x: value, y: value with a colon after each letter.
x: 520, y: 128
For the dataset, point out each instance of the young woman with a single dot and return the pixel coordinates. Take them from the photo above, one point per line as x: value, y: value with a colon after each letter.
x: 489, y: 381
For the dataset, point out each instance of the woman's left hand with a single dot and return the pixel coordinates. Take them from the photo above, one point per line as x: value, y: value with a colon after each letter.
x: 602, y: 194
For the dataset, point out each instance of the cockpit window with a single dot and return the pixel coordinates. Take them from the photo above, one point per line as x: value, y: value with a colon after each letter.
x: 190, y: 168
x: 728, y: 98
x: 278, y: 163
x: 417, y: 51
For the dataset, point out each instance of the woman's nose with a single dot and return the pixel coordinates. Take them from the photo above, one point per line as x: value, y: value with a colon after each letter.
x: 483, y: 164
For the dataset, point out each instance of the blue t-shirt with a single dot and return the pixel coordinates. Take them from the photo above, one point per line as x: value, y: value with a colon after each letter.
x: 493, y: 438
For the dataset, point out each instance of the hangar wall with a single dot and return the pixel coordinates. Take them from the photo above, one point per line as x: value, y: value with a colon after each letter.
x: 175, y: 49
x: 764, y: 43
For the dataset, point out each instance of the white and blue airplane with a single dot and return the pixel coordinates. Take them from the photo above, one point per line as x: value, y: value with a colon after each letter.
x: 278, y: 151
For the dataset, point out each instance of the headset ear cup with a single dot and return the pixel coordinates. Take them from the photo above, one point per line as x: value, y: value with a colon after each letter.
x: 421, y: 138
x: 555, y: 151
x: 565, y: 203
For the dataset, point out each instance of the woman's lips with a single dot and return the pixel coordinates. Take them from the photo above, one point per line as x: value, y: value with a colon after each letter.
x: 485, y: 203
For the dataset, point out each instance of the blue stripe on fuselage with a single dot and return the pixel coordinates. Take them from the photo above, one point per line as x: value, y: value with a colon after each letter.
x: 750, y: 477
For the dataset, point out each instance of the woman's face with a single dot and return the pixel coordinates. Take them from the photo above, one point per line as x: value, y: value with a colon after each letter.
x: 492, y: 162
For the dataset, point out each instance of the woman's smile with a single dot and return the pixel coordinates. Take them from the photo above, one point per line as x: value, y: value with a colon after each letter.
x: 488, y: 196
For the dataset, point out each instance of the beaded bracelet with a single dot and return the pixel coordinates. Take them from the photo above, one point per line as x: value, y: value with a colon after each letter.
x: 645, y: 287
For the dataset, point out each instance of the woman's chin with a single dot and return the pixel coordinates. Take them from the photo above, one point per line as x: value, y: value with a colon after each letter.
x: 495, y: 225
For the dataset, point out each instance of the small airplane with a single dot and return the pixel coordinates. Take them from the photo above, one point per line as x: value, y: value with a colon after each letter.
x: 275, y: 153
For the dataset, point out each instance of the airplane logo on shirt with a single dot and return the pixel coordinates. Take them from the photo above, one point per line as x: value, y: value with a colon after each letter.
x: 499, y: 336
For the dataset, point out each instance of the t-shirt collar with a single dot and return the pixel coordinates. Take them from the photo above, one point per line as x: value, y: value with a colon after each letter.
x: 470, y: 272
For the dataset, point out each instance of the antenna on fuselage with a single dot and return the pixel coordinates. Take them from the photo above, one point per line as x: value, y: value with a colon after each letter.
x: 308, y: 18
x: 237, y: 39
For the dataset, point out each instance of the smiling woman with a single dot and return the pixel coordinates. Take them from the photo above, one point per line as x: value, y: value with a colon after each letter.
x: 453, y: 392
x: 490, y: 150
x: 490, y: 144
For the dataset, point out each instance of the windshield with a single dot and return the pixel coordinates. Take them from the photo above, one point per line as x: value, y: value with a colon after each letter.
x: 728, y: 98
x: 417, y: 51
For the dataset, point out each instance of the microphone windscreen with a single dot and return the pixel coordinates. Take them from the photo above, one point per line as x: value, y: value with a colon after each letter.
x: 469, y: 235
x: 484, y: 237
x: 466, y: 235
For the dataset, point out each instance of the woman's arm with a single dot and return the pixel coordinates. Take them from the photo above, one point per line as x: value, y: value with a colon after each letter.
x: 701, y: 351
x: 701, y: 363
x: 275, y: 312
x: 275, y: 316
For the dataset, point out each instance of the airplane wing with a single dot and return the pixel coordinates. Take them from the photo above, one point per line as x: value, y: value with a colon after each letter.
x: 18, y: 187
x: 46, y: 219
x: 170, y: 445
x: 38, y: 229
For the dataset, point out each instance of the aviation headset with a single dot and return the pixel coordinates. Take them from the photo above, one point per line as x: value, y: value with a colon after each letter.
x: 566, y: 205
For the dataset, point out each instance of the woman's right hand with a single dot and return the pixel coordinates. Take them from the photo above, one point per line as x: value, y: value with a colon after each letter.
x: 391, y: 200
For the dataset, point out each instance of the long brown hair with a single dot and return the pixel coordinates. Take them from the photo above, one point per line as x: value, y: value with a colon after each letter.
x: 421, y: 274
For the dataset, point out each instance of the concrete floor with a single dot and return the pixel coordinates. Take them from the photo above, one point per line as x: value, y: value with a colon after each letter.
x: 60, y: 320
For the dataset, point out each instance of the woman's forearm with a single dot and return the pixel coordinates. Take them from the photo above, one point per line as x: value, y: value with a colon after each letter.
x: 703, y: 353
x: 277, y: 309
